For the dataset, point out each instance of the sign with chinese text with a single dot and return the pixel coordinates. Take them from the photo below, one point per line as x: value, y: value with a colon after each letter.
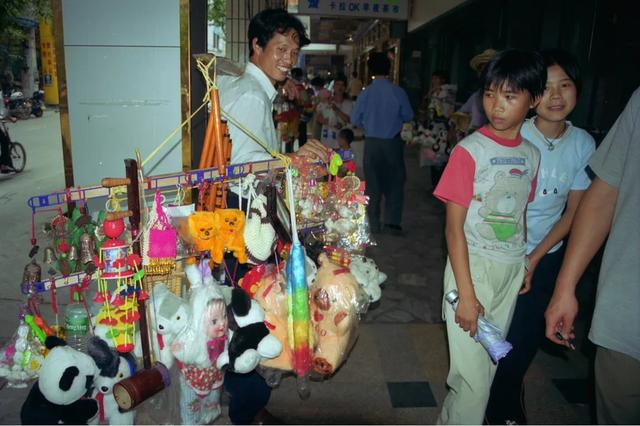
x: 382, y: 9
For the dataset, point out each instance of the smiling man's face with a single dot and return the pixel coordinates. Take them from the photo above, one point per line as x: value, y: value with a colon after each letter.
x: 279, y: 55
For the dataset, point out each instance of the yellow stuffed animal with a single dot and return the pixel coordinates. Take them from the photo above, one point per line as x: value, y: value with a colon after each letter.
x: 218, y: 232
x: 231, y: 235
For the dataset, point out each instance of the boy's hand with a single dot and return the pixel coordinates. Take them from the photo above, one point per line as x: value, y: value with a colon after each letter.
x: 467, y: 313
x: 559, y: 317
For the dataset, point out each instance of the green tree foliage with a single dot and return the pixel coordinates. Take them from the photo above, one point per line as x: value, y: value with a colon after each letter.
x: 217, y: 12
x: 12, y: 30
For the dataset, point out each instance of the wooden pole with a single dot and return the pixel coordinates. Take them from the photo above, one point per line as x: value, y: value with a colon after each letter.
x: 133, y: 203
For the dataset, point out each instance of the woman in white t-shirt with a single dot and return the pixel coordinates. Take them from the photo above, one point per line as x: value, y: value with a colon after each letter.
x: 562, y: 179
x: 338, y: 114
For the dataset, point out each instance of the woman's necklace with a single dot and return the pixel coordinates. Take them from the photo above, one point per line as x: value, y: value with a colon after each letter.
x: 546, y: 140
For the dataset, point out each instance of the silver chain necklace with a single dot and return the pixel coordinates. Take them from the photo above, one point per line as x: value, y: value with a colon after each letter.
x: 549, y: 142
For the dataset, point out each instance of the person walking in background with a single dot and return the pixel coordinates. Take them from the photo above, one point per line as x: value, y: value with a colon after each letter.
x: 355, y: 86
x: 381, y: 110
x: 337, y: 115
x: 302, y: 103
x: 610, y: 206
x: 317, y: 84
x: 490, y: 178
x: 565, y: 151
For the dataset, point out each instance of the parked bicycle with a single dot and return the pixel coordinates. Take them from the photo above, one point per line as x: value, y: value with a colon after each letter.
x: 13, y: 156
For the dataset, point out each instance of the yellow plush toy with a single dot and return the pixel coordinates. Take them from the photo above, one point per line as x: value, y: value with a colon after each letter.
x: 219, y: 231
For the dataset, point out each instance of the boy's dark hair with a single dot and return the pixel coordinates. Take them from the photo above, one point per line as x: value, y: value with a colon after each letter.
x: 317, y: 82
x: 442, y: 74
x: 347, y: 134
x: 270, y: 21
x: 379, y: 63
x: 518, y: 70
x: 566, y: 61
x: 296, y: 73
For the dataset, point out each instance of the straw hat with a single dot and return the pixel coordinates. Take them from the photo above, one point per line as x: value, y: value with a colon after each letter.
x: 482, y: 58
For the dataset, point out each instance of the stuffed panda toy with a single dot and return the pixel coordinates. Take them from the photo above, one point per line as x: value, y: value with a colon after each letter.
x: 62, y: 393
x: 251, y: 341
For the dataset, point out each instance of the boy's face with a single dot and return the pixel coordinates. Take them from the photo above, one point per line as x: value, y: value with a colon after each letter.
x: 279, y: 55
x: 342, y: 142
x: 506, y: 110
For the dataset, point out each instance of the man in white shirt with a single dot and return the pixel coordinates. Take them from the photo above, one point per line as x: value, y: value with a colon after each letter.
x: 275, y: 38
x: 274, y: 45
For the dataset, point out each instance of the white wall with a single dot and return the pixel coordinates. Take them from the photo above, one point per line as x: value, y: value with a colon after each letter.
x: 426, y: 10
x: 122, y: 62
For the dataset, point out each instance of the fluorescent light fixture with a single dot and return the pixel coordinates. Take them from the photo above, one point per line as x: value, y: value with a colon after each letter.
x: 319, y: 47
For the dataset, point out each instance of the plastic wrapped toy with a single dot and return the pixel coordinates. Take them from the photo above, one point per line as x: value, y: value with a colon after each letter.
x: 336, y: 301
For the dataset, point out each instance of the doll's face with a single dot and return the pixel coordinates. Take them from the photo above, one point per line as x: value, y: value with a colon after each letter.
x: 216, y: 319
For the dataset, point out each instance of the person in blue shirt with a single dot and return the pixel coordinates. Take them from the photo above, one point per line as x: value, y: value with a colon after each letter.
x: 381, y: 110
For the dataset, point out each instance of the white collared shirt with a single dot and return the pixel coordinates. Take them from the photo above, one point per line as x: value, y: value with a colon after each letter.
x: 249, y: 99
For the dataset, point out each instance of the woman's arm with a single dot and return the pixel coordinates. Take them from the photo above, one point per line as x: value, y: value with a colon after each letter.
x: 556, y: 234
x: 468, y: 305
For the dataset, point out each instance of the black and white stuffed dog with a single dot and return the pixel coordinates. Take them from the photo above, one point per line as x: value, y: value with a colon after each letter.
x: 251, y: 341
x: 62, y: 393
x: 113, y: 367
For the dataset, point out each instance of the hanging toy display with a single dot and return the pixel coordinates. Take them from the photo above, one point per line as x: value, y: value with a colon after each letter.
x: 117, y: 264
x: 159, y: 241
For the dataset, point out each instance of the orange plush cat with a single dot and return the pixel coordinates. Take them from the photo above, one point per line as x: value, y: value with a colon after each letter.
x: 204, y: 228
x: 219, y: 231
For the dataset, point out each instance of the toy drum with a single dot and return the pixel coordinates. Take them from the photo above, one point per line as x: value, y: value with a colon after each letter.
x: 132, y: 391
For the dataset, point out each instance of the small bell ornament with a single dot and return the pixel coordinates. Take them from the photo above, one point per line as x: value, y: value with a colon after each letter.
x: 49, y: 256
x: 73, y: 253
x: 32, y: 274
x: 87, y: 248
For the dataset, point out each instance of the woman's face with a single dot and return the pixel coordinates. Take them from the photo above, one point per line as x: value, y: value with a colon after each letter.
x: 559, y: 97
x: 338, y: 88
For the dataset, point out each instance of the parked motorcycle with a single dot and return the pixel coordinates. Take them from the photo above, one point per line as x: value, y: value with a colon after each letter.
x: 21, y: 107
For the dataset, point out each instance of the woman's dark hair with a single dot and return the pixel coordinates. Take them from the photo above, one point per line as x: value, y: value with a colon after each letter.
x: 317, y: 82
x: 346, y: 133
x: 270, y: 21
x: 379, y: 63
x: 442, y: 74
x: 296, y: 73
x: 341, y: 77
x: 518, y: 70
x: 566, y: 61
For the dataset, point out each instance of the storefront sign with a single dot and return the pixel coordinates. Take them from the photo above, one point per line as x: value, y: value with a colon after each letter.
x: 383, y: 9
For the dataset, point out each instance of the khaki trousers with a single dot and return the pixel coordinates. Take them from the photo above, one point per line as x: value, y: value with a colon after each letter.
x: 471, y: 370
x: 617, y: 388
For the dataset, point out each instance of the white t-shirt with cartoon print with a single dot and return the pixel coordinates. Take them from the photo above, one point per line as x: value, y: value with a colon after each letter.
x: 494, y: 179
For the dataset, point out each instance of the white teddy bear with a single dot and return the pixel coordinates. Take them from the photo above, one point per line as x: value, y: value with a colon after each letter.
x: 367, y: 274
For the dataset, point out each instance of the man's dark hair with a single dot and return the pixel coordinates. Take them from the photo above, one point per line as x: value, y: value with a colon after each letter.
x: 347, y: 134
x: 566, y: 61
x: 296, y: 73
x: 354, y: 74
x: 379, y: 63
x: 340, y: 77
x: 317, y: 82
x: 517, y: 70
x: 270, y: 21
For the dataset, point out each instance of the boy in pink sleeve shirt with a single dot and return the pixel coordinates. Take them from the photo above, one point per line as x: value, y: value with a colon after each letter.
x: 490, y: 178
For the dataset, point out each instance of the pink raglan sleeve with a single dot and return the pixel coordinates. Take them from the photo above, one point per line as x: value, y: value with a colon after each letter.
x: 456, y: 183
